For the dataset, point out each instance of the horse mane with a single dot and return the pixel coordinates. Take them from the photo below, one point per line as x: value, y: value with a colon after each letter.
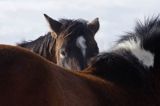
x: 147, y: 32
x: 143, y: 29
x: 148, y: 27
x: 42, y: 45
x: 41, y: 38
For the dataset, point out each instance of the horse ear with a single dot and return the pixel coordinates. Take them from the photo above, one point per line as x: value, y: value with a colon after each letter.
x: 53, y: 24
x: 94, y: 25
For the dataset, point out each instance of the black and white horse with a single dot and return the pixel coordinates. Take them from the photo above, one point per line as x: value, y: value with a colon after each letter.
x: 135, y: 58
x: 70, y: 43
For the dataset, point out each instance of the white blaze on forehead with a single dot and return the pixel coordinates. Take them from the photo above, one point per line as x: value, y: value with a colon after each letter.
x: 81, y: 43
x: 144, y: 56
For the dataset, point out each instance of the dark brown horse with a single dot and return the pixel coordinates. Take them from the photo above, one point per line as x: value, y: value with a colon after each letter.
x: 26, y: 79
x: 127, y: 75
x: 70, y: 43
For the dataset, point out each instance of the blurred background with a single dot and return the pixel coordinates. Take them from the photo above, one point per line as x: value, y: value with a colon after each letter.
x: 23, y: 19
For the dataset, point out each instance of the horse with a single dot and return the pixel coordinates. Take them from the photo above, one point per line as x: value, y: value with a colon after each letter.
x: 70, y: 43
x: 126, y: 75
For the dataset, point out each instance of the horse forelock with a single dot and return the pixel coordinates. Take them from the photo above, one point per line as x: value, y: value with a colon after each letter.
x: 72, y: 27
x: 69, y: 22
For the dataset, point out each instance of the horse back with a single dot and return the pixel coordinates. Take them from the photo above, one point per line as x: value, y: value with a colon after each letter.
x: 27, y: 79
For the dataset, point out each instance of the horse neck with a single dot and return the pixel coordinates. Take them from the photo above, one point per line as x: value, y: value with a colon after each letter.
x: 43, y: 46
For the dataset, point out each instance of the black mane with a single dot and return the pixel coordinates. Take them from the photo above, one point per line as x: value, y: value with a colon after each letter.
x: 42, y: 45
x: 148, y: 33
x: 40, y: 39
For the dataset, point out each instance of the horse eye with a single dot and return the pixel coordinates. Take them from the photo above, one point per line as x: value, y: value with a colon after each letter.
x: 63, y: 53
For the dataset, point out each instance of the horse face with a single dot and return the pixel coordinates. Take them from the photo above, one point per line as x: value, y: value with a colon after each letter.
x: 75, y: 43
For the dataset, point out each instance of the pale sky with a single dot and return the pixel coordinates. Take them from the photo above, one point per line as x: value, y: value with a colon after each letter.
x: 23, y: 19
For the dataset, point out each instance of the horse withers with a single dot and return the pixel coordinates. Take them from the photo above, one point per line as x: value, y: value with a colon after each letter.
x: 70, y: 43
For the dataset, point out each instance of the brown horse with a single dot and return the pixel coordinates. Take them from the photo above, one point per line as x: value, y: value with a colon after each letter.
x: 26, y: 79
x: 70, y: 43
x: 127, y: 75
